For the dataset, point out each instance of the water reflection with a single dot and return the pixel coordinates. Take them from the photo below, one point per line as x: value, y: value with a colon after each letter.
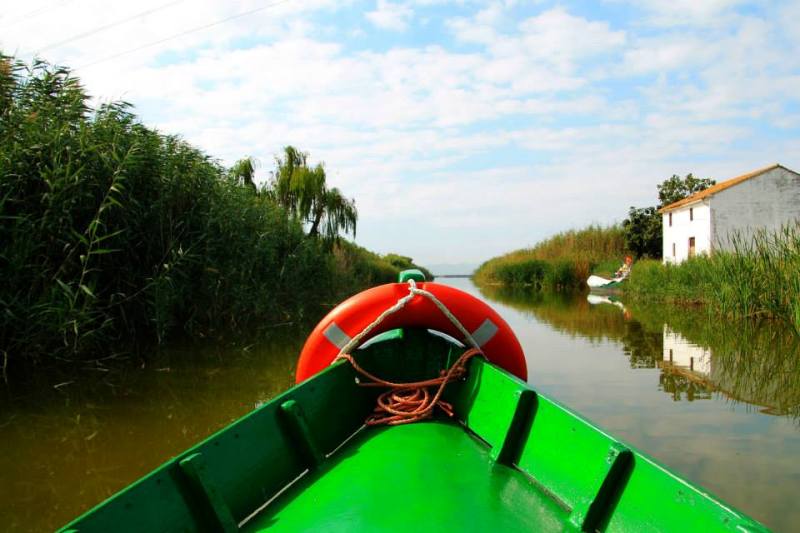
x: 749, y: 362
x: 725, y: 413
x: 755, y: 366
x: 685, y: 369
x: 67, y: 448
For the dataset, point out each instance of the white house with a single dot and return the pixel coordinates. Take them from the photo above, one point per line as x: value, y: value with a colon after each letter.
x: 765, y: 199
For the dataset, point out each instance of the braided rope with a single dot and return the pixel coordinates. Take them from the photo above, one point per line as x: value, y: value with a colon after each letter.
x: 412, y: 291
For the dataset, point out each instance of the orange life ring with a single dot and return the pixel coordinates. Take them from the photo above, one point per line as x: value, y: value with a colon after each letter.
x: 490, y: 331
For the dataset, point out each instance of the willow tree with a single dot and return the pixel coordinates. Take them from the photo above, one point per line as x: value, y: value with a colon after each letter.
x: 244, y: 171
x: 303, y: 191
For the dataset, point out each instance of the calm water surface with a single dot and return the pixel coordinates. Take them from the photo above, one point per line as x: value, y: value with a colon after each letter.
x: 717, y: 401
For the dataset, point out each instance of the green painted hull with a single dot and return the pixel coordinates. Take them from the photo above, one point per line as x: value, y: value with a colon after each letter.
x: 513, y: 460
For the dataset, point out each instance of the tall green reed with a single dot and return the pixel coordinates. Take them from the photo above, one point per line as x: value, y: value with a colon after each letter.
x: 562, y: 261
x: 758, y: 276
x: 113, y: 234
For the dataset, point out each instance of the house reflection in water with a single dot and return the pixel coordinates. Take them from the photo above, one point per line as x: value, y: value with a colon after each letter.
x: 685, y: 368
x: 753, y: 363
x: 757, y: 367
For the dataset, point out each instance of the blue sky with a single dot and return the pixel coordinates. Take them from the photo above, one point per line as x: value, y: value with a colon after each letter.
x: 463, y: 129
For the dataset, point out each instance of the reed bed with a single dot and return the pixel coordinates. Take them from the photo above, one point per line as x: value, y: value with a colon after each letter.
x: 563, y: 261
x: 115, y: 235
x: 759, y: 277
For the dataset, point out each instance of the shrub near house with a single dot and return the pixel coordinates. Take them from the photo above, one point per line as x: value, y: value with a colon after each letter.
x: 643, y: 227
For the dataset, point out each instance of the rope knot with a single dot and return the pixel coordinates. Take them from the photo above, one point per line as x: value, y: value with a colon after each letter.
x: 405, y: 403
x: 409, y: 402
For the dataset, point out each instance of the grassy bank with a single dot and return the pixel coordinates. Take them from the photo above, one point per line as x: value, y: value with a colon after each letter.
x: 563, y: 261
x: 758, y: 279
x: 115, y: 235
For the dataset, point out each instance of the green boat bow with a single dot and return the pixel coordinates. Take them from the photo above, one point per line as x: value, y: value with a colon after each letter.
x: 510, y: 459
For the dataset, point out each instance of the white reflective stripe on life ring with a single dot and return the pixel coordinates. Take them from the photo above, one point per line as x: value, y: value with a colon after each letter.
x: 485, y: 332
x: 337, y: 337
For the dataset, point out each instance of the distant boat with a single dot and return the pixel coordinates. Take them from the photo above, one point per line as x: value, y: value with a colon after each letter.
x: 492, y: 455
x: 598, y: 282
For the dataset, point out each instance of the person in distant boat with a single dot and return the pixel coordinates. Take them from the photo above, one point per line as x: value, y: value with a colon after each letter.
x: 600, y: 282
x: 625, y: 269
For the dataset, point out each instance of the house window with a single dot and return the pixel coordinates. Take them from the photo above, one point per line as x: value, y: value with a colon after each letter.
x: 670, y: 222
x: 691, y: 213
x: 691, y: 246
x: 673, y: 249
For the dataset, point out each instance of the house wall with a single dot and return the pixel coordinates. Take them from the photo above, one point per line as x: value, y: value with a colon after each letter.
x: 766, y: 202
x: 682, y: 228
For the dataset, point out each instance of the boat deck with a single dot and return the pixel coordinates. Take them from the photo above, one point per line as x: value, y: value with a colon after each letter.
x: 430, y: 476
x: 514, y: 460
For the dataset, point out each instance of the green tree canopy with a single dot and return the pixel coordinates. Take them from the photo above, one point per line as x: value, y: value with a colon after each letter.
x: 244, y: 171
x: 674, y: 189
x: 643, y: 231
x: 303, y: 191
x: 643, y: 227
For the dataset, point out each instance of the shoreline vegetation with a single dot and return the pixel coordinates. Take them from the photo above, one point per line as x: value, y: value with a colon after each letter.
x: 563, y: 261
x: 114, y: 234
x: 760, y: 278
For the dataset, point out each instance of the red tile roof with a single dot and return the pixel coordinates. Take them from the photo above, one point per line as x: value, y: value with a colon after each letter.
x: 714, y: 189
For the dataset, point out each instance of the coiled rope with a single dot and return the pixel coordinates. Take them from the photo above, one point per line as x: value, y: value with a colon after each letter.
x: 405, y: 403
x: 410, y: 402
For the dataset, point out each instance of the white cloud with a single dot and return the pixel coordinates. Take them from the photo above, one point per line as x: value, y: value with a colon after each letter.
x: 481, y: 28
x: 688, y: 12
x: 543, y: 53
x: 391, y: 16
x: 666, y: 54
x: 557, y: 36
x: 519, y: 128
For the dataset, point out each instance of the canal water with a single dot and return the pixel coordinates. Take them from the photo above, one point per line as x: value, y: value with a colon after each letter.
x: 718, y: 402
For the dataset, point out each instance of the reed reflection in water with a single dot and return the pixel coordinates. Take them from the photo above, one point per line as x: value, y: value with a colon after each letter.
x: 65, y: 449
x: 748, y: 362
x: 725, y: 412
